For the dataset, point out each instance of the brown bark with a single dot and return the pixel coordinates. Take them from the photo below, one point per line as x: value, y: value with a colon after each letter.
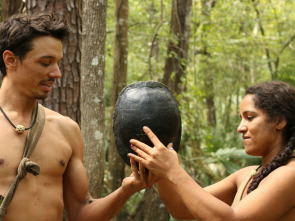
x: 175, y: 64
x: 116, y: 164
x: 11, y: 7
x: 65, y: 97
x: 92, y: 92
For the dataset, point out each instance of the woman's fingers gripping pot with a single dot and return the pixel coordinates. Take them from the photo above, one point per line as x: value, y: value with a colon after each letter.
x: 159, y: 160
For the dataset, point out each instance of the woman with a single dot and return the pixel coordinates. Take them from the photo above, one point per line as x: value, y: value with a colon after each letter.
x: 268, y: 129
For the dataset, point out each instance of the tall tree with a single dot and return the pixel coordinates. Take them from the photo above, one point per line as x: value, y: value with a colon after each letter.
x: 151, y: 207
x: 273, y: 60
x: 154, y: 50
x: 174, y: 70
x: 92, y: 91
x: 175, y: 64
x: 205, y: 62
x: 10, y: 8
x: 65, y: 96
x: 116, y: 164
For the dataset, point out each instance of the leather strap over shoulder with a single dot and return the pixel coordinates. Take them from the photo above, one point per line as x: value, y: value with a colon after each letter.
x: 35, y: 132
x: 26, y: 166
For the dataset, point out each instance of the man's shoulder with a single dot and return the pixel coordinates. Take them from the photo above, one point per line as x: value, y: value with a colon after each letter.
x: 58, y: 119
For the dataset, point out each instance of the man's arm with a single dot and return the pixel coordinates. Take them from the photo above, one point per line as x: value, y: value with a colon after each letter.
x: 78, y: 202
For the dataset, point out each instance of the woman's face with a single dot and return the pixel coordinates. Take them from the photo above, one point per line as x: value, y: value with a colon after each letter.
x: 260, y: 136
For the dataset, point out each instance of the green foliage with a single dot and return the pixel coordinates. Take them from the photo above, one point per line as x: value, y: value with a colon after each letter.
x: 226, y: 45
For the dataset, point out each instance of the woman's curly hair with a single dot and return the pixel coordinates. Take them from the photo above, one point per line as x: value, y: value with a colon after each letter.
x: 276, y: 99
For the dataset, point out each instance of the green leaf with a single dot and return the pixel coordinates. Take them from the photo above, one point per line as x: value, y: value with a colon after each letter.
x: 230, y: 166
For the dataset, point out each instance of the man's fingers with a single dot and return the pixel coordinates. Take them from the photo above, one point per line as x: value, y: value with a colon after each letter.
x: 134, y: 168
x: 142, y: 173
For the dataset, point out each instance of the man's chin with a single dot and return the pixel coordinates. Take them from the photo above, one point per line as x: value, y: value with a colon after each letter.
x: 41, y: 96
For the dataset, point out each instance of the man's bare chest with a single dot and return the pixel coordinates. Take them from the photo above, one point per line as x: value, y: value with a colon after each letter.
x: 52, y: 153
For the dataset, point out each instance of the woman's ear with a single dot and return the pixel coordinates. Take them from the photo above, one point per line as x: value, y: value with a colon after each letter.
x: 10, y: 60
x: 281, y: 123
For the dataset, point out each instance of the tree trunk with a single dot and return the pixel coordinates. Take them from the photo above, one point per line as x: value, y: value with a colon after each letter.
x: 205, y: 62
x: 92, y: 92
x: 116, y: 164
x: 65, y: 96
x: 175, y: 64
x: 10, y: 8
x: 151, y: 207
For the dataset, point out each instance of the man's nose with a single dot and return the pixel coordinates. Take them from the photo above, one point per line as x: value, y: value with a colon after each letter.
x: 55, y: 73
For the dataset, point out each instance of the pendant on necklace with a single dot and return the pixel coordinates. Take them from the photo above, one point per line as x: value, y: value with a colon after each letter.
x: 20, y: 129
x: 253, y: 172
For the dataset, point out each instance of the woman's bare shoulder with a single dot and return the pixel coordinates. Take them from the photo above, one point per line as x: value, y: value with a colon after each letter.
x: 286, y: 171
x: 242, y: 173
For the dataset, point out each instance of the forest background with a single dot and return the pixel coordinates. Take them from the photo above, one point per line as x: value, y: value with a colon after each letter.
x: 206, y: 51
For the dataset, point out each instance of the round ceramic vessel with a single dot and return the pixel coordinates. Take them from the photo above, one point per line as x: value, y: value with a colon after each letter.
x: 149, y: 104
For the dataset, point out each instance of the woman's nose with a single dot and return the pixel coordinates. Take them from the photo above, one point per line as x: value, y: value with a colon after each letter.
x: 242, y: 127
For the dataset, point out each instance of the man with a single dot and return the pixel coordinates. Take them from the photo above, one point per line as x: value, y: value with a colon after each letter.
x: 31, y: 50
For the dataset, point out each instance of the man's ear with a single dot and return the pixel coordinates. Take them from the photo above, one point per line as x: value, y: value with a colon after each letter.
x: 281, y: 123
x: 10, y: 60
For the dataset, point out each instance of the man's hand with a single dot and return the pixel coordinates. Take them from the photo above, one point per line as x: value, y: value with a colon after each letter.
x: 139, y: 179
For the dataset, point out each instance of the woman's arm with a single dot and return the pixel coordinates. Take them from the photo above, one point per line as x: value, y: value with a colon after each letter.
x: 270, y: 201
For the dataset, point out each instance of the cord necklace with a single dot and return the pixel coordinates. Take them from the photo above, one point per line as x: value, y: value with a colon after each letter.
x: 20, y: 128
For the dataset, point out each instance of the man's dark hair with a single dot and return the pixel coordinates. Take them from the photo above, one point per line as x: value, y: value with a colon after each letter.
x: 276, y: 99
x: 18, y: 32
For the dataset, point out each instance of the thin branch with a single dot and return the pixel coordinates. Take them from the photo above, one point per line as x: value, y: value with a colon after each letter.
x: 263, y: 34
x: 285, y: 45
x: 154, y: 39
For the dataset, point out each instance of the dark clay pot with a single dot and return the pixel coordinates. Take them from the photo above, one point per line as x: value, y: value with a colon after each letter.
x: 145, y: 104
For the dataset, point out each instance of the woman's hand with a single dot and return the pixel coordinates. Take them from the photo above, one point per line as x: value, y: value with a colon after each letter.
x: 160, y: 160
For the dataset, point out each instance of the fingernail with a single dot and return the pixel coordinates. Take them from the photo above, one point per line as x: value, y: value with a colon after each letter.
x: 131, y: 145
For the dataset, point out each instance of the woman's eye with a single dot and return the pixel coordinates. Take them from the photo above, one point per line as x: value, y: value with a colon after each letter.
x: 250, y: 117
